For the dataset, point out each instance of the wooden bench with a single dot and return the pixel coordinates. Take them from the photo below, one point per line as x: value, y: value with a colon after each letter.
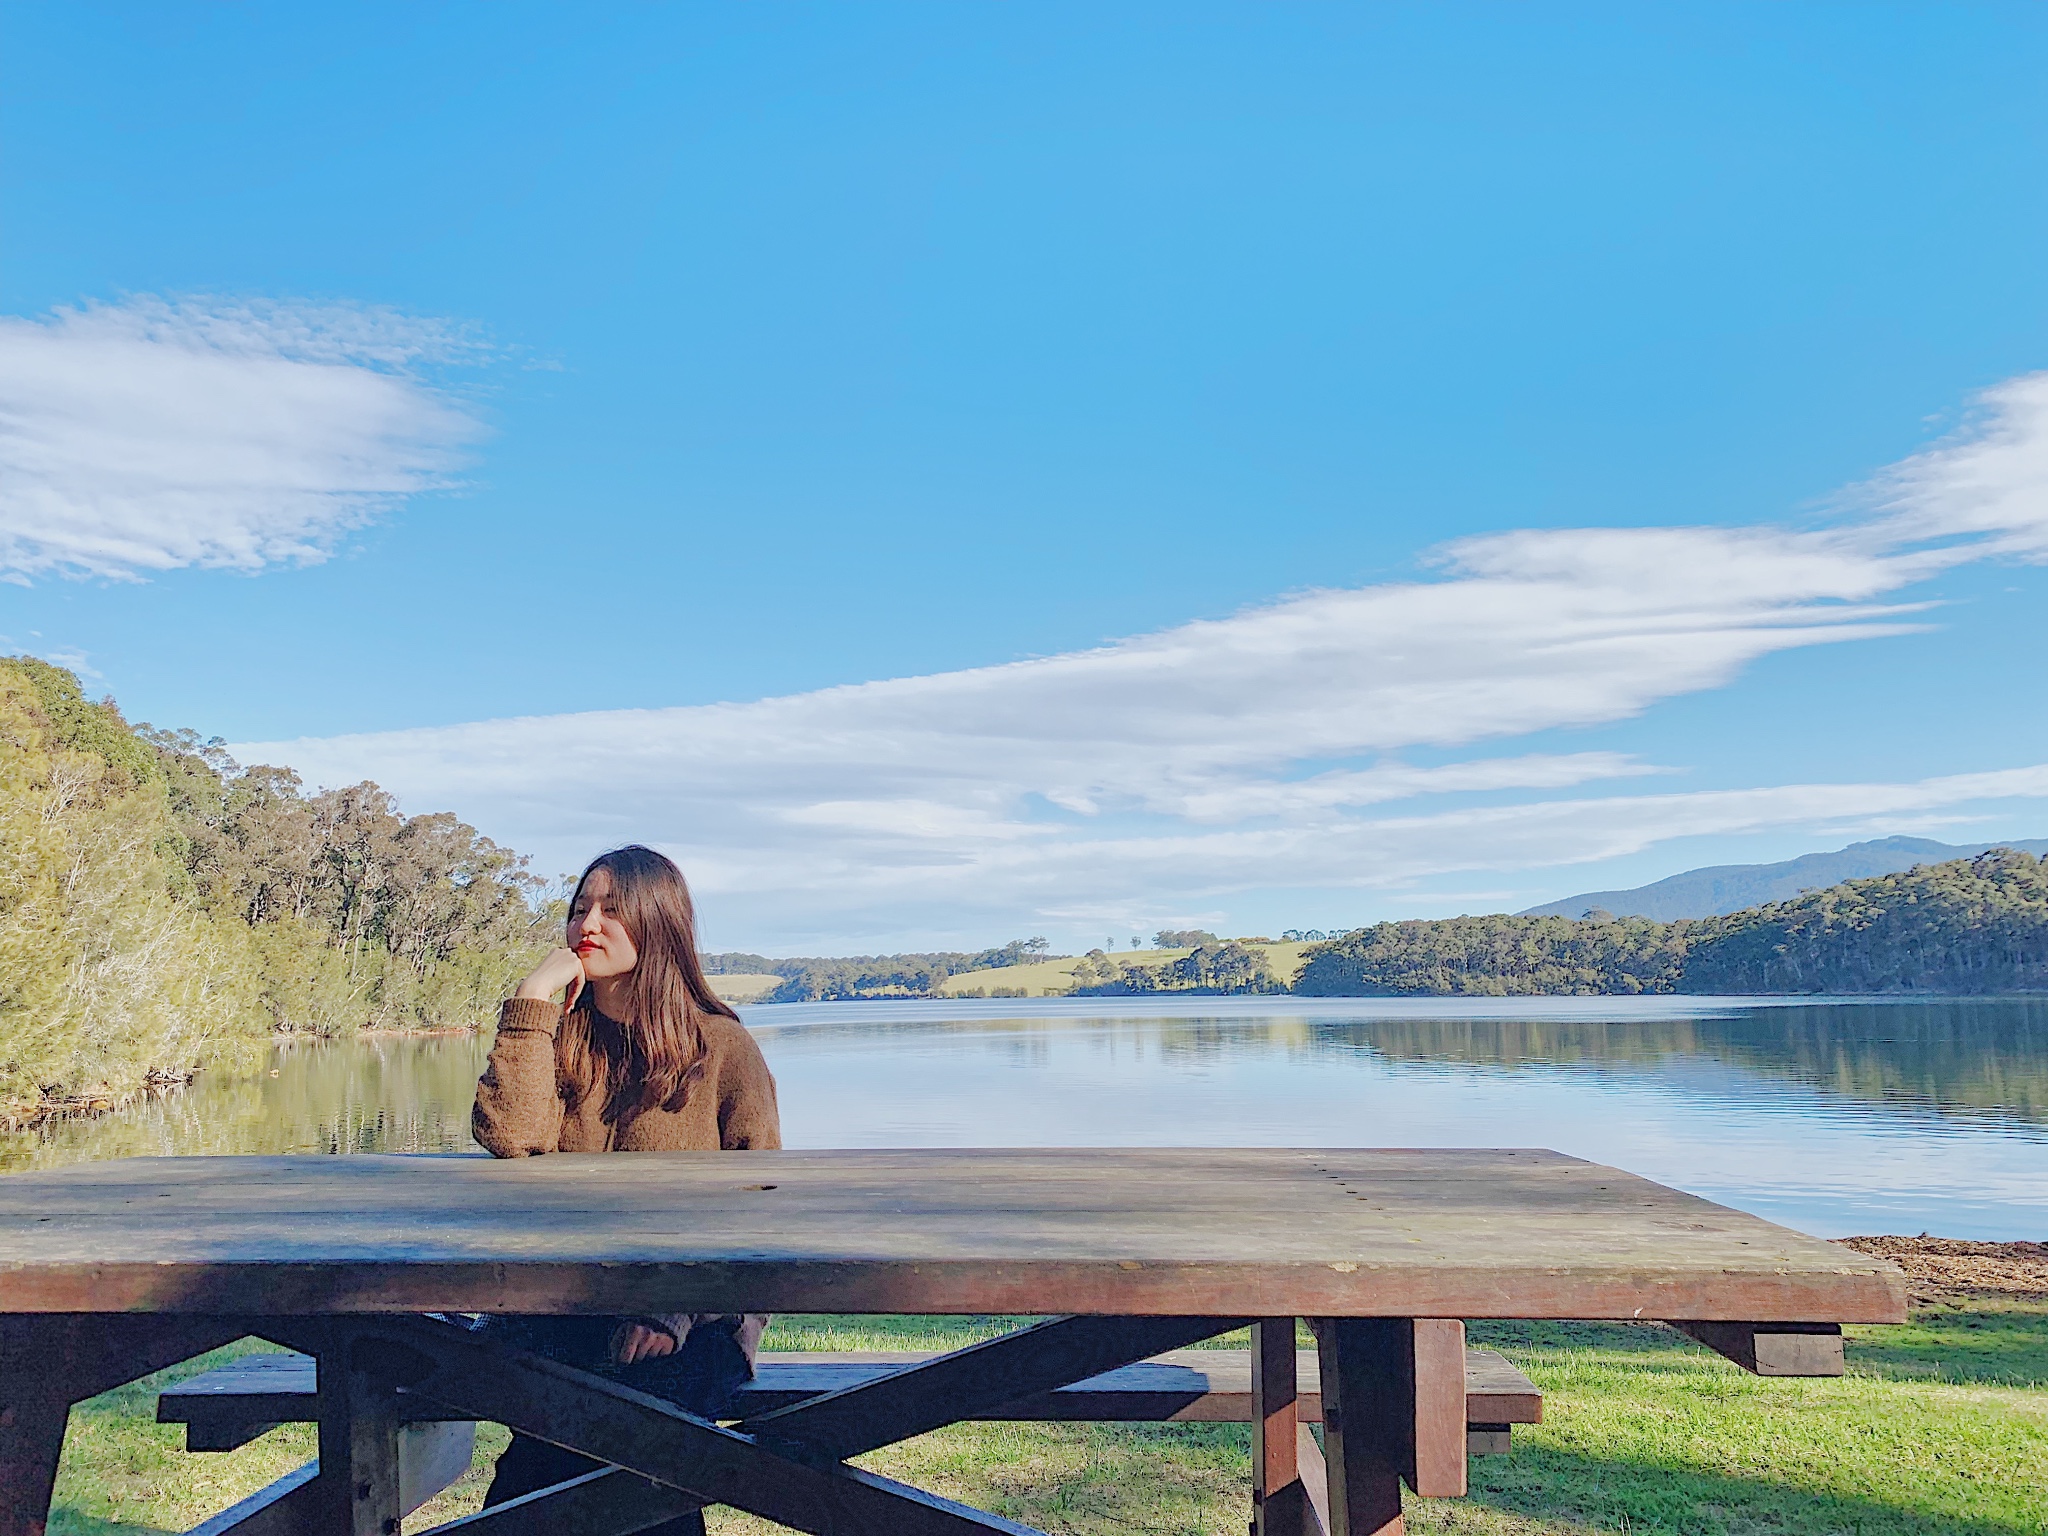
x: 232, y: 1404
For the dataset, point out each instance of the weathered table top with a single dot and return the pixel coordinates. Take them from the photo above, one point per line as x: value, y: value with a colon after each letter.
x: 1201, y: 1231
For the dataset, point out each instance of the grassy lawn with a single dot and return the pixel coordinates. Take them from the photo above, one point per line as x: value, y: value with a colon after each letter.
x: 1941, y: 1427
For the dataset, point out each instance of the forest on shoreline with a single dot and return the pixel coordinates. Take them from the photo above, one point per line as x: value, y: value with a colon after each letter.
x: 1968, y: 926
x: 162, y: 906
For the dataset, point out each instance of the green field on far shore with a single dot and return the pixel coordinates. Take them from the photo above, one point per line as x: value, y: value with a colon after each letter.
x: 1042, y: 978
x: 1940, y: 1429
x: 1054, y: 978
x: 743, y: 986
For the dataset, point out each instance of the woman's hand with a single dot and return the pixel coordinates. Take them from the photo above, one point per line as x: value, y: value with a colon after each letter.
x: 633, y: 1342
x: 563, y: 968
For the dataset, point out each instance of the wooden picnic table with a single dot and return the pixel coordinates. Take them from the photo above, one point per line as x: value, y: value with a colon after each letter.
x: 109, y: 1271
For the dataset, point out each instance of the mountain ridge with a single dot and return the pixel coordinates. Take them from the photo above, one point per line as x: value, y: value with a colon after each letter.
x: 1714, y: 890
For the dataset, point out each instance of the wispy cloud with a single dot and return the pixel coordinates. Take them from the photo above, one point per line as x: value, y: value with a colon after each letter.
x: 1242, y: 753
x: 149, y: 435
x: 1983, y: 492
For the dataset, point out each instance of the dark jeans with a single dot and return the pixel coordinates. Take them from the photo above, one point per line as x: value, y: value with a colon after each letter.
x: 700, y: 1378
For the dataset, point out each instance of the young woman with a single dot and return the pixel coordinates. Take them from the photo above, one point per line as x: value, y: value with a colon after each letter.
x: 640, y: 1056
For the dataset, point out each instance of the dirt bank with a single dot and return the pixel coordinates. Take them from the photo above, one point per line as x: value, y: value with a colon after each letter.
x: 1945, y: 1269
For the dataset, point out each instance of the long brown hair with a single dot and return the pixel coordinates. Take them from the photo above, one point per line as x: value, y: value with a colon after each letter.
x: 650, y: 1059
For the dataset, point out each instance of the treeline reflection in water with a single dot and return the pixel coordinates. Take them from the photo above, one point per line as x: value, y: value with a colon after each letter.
x: 387, y: 1093
x: 1959, y: 1056
x: 1849, y: 1116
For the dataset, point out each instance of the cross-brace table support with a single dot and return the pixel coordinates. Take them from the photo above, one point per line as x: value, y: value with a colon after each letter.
x: 787, y: 1466
x: 1393, y: 1394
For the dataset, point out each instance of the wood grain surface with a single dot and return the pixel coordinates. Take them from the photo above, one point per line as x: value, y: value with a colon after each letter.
x: 1204, y: 1231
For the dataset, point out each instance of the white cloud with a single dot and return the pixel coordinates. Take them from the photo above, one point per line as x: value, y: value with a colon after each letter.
x: 1389, y: 851
x: 151, y: 435
x: 1230, y: 755
x: 1985, y: 491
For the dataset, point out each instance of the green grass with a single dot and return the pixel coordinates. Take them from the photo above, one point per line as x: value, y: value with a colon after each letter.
x: 1941, y: 1427
x: 1644, y: 1432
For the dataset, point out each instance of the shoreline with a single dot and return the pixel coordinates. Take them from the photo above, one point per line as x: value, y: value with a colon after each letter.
x: 20, y: 1116
x: 1944, y: 1270
x: 408, y: 1034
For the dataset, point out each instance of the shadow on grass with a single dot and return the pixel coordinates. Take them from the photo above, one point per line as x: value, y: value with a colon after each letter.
x: 1606, y: 1495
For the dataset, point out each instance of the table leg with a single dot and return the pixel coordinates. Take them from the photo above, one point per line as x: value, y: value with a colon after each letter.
x: 1361, y: 1474
x: 32, y: 1420
x: 1393, y: 1411
x: 358, y: 1493
x: 1280, y: 1504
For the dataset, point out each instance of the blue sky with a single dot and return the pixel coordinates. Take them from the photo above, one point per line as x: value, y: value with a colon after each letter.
x: 372, y: 371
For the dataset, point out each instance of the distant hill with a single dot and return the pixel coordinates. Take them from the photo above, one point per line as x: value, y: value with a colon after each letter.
x: 1976, y: 926
x: 1720, y: 889
x: 1973, y: 926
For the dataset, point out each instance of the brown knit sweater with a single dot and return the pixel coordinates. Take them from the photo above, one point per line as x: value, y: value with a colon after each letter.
x: 524, y: 1109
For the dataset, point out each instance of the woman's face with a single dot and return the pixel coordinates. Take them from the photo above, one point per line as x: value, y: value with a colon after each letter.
x: 599, y: 939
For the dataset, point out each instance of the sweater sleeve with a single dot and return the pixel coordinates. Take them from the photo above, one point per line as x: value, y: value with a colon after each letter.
x: 518, y: 1100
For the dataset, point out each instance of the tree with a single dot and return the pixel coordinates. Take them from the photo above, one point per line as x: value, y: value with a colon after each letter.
x: 108, y: 979
x: 1970, y: 925
x: 1216, y: 967
x: 1497, y: 956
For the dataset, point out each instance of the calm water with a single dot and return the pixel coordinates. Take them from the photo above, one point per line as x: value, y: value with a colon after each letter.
x: 1837, y: 1117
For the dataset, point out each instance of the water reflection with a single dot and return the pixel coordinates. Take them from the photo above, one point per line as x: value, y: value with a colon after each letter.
x: 380, y: 1094
x: 1838, y: 1117
x: 1960, y: 1057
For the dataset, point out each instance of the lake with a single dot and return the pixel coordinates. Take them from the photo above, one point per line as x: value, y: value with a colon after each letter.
x: 1835, y: 1117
